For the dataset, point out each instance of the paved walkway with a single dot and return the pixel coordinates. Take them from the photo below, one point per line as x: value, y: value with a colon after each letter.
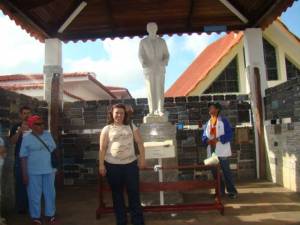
x: 259, y: 203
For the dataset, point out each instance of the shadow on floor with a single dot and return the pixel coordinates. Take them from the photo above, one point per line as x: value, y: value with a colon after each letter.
x: 259, y: 203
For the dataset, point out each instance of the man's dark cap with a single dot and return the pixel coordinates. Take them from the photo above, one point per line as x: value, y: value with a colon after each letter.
x: 217, y: 105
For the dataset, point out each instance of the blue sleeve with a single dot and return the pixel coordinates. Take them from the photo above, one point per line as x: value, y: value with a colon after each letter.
x: 204, y: 137
x: 24, y: 150
x: 227, y: 137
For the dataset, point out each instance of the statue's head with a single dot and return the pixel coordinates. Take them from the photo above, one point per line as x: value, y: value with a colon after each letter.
x: 152, y: 28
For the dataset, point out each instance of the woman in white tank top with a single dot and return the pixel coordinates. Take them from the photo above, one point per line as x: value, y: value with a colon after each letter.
x: 119, y: 163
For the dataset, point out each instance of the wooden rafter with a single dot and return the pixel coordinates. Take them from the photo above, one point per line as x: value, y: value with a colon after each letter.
x: 69, y: 12
x: 110, y: 15
x: 234, y: 10
x: 112, y: 18
x: 190, y: 15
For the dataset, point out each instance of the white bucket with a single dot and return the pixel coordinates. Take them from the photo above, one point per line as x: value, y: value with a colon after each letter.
x: 213, y: 160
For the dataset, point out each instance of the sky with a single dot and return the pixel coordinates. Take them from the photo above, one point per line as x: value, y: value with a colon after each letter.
x: 115, y: 62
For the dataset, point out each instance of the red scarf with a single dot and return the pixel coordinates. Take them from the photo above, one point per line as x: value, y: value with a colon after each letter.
x: 213, y: 129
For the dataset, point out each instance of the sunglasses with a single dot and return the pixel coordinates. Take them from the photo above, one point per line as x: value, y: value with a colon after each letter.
x: 38, y: 124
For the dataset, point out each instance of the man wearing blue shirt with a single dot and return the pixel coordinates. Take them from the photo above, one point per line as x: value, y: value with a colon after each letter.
x: 38, y: 174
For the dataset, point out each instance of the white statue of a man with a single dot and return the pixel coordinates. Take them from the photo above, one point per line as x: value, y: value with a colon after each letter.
x: 154, y: 57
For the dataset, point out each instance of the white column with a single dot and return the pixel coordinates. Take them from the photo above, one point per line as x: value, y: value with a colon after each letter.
x: 254, y: 55
x: 53, y: 64
x: 53, y: 83
x: 281, y: 64
x: 255, y: 64
x: 243, y: 80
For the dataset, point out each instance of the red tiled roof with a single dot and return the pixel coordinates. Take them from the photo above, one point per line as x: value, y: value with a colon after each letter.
x: 39, y: 77
x: 15, y: 87
x: 208, y: 59
x: 34, y: 86
x: 114, y: 92
x: 203, y: 64
x: 15, y: 77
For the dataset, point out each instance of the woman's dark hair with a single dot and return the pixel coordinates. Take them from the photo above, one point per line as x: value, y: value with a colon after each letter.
x: 110, y: 118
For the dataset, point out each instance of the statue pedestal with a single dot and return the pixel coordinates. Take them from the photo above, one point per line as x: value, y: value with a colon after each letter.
x: 160, y: 149
x: 152, y: 119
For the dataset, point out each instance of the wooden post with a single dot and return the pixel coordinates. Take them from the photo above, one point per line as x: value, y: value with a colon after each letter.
x: 55, y: 108
x: 257, y: 78
x: 55, y: 122
x: 259, y: 123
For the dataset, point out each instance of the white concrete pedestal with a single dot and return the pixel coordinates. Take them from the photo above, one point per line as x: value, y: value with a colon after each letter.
x: 150, y: 119
x: 163, y: 132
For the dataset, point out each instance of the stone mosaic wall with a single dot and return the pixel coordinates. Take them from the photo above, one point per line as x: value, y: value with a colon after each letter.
x: 84, y: 120
x: 282, y: 105
x: 283, y: 101
x: 284, y: 154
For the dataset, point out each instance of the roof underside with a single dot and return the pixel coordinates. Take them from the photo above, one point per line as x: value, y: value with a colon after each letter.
x: 127, y: 18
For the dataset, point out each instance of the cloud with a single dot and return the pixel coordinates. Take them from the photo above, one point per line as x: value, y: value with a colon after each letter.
x: 119, y: 68
x: 17, y: 47
x: 172, y: 44
x: 139, y: 93
x: 196, y: 43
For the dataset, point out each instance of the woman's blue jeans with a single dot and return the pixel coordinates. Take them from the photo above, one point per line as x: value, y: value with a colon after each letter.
x: 121, y: 177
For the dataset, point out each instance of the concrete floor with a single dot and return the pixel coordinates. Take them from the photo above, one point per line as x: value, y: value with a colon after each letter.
x: 259, y: 203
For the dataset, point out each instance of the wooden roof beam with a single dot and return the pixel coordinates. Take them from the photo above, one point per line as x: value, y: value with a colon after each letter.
x: 19, y: 13
x: 72, y: 16
x: 234, y: 10
x: 33, y: 5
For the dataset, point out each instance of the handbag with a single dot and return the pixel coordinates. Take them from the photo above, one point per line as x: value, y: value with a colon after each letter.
x: 135, y: 145
x: 53, y: 154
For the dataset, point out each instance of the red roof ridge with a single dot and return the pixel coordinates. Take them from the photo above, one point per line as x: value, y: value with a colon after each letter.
x: 203, y: 64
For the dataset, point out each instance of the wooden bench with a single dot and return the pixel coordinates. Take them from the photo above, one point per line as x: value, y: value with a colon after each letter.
x: 172, y: 186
